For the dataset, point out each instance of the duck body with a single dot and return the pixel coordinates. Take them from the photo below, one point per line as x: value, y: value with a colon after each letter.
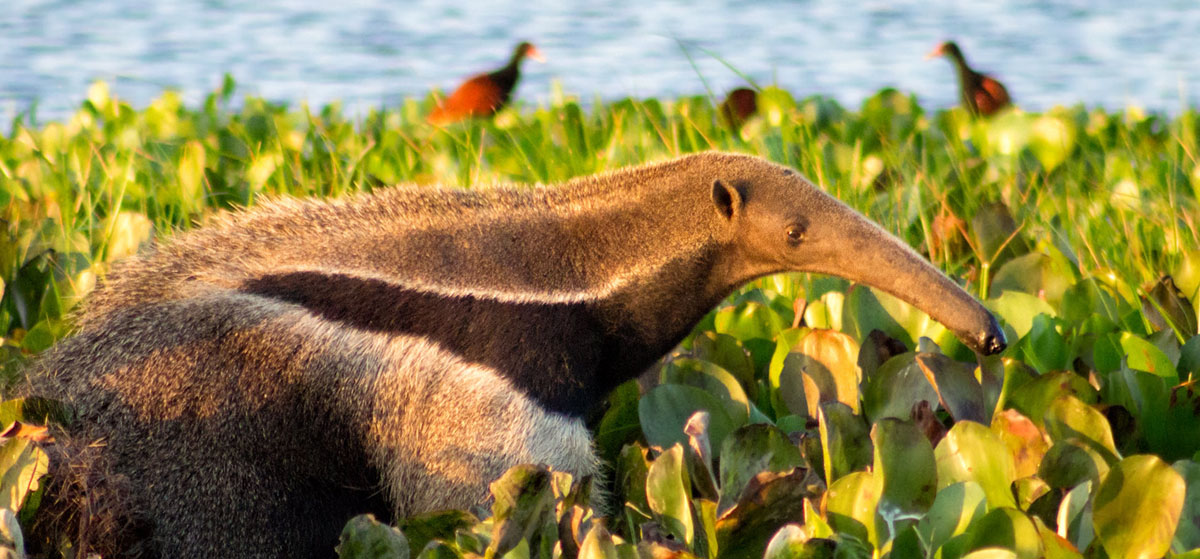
x: 739, y: 106
x: 981, y: 94
x: 484, y: 94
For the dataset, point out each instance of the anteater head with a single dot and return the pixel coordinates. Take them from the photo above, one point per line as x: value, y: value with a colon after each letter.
x: 770, y: 220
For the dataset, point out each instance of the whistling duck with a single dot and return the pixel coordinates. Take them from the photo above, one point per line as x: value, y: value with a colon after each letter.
x: 738, y: 106
x: 981, y: 93
x: 484, y: 94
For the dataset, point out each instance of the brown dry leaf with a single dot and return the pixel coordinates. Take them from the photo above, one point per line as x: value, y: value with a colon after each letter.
x: 35, y: 433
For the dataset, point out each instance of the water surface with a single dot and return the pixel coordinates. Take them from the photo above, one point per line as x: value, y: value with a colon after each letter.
x: 368, y: 53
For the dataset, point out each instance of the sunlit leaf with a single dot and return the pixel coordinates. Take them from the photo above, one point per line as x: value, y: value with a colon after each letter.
x: 790, y: 542
x: 1007, y: 528
x: 1019, y: 309
x: 1068, y: 418
x: 850, y: 505
x: 972, y: 452
x: 22, y: 465
x: 954, y: 508
x: 1025, y: 441
x: 1143, y: 356
x: 522, y: 502
x: 1033, y: 398
x: 1137, y: 507
x: 827, y: 363
x: 668, y: 490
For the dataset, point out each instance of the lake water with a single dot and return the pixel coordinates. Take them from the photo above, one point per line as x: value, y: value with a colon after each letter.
x: 371, y: 52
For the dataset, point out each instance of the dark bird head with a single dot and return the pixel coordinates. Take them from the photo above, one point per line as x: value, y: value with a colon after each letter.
x: 946, y: 48
x: 527, y: 49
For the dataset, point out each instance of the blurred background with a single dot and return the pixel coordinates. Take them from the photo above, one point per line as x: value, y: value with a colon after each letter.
x: 365, y: 53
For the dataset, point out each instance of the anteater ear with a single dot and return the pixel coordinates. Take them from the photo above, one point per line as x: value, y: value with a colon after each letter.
x: 727, y: 199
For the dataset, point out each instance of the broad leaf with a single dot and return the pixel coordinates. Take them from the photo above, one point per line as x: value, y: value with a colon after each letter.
x: 1137, y: 507
x: 668, y: 491
x: 366, y: 538
x: 972, y: 452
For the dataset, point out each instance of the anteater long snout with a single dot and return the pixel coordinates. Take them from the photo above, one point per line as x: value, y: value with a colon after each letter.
x: 874, y: 257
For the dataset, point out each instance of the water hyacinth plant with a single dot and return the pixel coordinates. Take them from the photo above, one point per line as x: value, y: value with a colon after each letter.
x: 806, y: 416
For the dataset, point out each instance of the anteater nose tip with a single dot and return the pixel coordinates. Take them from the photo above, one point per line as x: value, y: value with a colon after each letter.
x: 993, y: 342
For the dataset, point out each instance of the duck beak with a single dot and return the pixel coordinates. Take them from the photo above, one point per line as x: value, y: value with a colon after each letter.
x: 936, y: 52
x: 535, y: 54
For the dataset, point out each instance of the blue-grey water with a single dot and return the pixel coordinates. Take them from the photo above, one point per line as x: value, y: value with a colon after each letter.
x: 367, y: 53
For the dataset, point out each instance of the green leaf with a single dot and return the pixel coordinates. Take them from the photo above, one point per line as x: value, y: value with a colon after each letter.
x: 1052, y: 139
x: 905, y: 466
x: 1144, y: 356
x: 1068, y: 418
x: 727, y: 352
x: 665, y: 410
x: 956, y: 386
x: 1055, y: 546
x: 790, y: 542
x: 22, y: 465
x: 955, y: 507
x: 863, y: 313
x: 439, y: 525
x: 895, y: 388
x: 1075, y: 515
x: 750, y: 319
x: 850, y: 505
x: 1007, y: 528
x: 1044, y: 347
x: 598, y: 544
x: 972, y: 452
x: 769, y: 501
x: 775, y: 104
x: 366, y: 538
x: 827, y: 363
x: 633, y: 467
x: 1189, y: 358
x: 915, y: 321
x: 1086, y: 299
x: 1137, y: 507
x: 1033, y: 398
x: 1187, y: 534
x: 784, y: 343
x: 749, y: 451
x: 1026, y: 443
x: 845, y: 441
x: 825, y: 313
x: 1036, y: 274
x: 668, y: 491
x: 522, y: 503
x: 1070, y: 463
x: 714, y: 380
x: 1018, y: 310
x: 992, y: 553
x: 1166, y: 307
x: 994, y: 230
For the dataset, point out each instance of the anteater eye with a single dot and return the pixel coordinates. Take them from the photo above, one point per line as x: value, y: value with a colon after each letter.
x: 795, y: 234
